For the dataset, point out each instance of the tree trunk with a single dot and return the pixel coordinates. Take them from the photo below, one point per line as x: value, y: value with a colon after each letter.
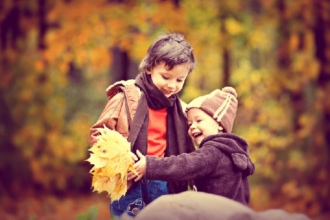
x: 226, y: 66
x: 321, y: 31
x: 225, y: 52
x: 9, y: 28
x: 123, y: 68
x: 119, y: 69
x: 284, y: 62
x: 42, y: 24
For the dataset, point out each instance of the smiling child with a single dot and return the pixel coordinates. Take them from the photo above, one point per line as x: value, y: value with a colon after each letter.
x: 221, y: 165
x: 148, y: 112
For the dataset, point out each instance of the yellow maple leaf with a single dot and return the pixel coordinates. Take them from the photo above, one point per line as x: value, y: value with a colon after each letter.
x: 112, y: 161
x: 97, y: 161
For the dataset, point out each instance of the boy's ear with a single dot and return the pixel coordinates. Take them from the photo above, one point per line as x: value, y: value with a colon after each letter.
x: 220, y: 129
x: 148, y: 71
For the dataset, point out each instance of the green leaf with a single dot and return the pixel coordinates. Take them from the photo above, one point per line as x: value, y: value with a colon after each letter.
x: 91, y: 214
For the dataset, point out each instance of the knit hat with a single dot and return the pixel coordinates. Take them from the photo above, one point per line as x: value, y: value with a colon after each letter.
x: 221, y: 105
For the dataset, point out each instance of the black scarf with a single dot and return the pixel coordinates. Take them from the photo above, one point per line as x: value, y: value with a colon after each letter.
x: 178, y: 140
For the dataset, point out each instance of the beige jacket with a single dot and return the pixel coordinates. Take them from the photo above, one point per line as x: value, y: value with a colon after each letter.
x: 123, y: 99
x: 114, y: 115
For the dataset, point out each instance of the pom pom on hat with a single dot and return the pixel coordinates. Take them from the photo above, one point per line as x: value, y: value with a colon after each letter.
x: 221, y: 105
x: 230, y: 90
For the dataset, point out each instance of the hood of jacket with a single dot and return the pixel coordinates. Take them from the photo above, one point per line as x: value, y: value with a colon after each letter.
x: 235, y: 147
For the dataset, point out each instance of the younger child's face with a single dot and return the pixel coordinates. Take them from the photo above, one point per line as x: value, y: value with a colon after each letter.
x: 169, y: 82
x: 201, y: 125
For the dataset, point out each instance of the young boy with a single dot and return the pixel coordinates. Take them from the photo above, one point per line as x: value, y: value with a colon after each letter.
x: 221, y: 165
x: 148, y: 112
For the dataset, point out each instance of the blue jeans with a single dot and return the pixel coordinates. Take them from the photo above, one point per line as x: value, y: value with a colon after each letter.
x: 138, y: 196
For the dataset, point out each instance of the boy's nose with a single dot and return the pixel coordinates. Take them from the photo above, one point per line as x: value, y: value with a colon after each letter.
x: 171, y: 85
x: 192, y: 127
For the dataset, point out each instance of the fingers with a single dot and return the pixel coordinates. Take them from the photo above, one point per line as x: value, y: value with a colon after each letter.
x: 138, y: 178
x: 134, y: 157
x: 137, y: 166
x: 131, y: 176
x: 139, y: 154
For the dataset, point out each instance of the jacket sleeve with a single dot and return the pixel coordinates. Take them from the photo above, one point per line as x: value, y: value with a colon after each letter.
x: 184, y: 166
x: 114, y: 117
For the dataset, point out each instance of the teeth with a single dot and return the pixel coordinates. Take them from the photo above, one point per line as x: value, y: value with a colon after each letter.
x: 196, y: 135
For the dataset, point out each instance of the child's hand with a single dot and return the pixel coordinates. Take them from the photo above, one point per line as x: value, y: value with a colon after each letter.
x: 140, y: 166
x: 134, y: 157
x: 131, y: 175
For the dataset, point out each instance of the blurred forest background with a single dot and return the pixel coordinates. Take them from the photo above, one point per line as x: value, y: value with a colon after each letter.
x: 58, y: 57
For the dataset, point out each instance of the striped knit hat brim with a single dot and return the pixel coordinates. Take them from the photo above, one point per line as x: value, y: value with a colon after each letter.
x: 221, y: 105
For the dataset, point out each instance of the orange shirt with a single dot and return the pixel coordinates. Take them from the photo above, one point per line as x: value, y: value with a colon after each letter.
x: 157, y: 132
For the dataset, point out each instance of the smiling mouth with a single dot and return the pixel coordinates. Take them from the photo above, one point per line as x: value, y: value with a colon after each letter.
x: 167, y: 92
x: 196, y: 135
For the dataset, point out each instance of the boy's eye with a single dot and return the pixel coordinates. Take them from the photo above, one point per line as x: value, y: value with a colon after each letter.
x: 164, y: 77
x: 199, y: 120
x: 189, y: 125
x: 179, y: 80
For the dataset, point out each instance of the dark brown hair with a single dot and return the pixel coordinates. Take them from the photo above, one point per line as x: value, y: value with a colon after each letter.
x: 170, y: 48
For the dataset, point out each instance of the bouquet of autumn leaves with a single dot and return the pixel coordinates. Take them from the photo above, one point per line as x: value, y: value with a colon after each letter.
x: 112, y: 161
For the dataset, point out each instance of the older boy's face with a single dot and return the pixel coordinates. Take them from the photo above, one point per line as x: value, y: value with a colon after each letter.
x: 201, y: 125
x: 171, y: 81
